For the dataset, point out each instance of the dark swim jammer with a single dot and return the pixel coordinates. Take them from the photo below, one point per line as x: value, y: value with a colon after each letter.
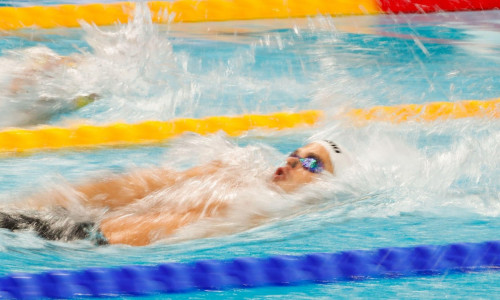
x: 49, y: 229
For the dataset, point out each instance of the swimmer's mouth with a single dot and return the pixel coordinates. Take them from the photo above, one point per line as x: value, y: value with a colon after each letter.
x: 280, y: 174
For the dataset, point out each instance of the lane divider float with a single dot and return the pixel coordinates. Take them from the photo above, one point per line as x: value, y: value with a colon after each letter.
x: 147, y: 132
x: 68, y: 15
x: 427, y: 112
x: 21, y: 140
x: 250, y: 272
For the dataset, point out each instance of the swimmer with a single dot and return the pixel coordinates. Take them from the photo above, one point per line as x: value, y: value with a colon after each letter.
x: 302, y: 167
x: 33, y: 87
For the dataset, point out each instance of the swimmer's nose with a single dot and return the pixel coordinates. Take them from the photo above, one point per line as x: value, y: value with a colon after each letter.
x: 292, y: 162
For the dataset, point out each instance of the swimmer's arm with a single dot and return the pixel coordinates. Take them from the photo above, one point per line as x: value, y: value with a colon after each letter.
x: 140, y: 230
x: 204, y: 170
x: 112, y: 192
x: 120, y: 190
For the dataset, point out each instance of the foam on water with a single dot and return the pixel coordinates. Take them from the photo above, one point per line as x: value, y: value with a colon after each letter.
x: 405, y: 170
x: 131, y: 67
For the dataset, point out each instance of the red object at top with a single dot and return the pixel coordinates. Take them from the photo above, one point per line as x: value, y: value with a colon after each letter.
x: 428, y: 6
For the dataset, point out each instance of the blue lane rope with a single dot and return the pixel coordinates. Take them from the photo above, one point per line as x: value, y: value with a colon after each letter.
x: 251, y: 272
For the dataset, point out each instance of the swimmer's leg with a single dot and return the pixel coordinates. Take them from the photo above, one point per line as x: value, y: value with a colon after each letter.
x: 26, y: 113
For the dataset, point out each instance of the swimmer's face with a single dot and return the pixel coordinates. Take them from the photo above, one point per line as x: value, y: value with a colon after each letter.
x: 294, y: 175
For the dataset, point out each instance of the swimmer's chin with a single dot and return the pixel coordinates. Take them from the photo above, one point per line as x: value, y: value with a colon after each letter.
x: 274, y: 185
x: 280, y: 186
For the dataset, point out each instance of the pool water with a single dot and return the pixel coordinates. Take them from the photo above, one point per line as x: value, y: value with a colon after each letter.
x: 411, y: 184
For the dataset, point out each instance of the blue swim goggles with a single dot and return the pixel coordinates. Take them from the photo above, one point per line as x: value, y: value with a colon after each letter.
x: 311, y: 163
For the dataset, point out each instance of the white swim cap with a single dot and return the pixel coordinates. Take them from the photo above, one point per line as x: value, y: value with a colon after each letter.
x: 339, y: 158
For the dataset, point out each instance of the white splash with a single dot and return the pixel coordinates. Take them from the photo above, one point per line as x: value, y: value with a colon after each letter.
x: 414, y: 168
x: 131, y: 69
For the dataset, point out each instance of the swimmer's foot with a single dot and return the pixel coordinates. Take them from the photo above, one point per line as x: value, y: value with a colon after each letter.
x: 85, y: 100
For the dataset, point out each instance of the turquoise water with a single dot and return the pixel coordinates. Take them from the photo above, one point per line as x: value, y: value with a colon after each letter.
x: 411, y: 184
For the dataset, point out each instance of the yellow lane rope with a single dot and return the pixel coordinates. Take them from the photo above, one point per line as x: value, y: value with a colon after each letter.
x: 47, y: 137
x: 428, y: 112
x: 68, y: 15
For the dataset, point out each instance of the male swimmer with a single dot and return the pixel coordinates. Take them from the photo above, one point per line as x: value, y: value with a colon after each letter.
x: 33, y: 87
x: 303, y: 166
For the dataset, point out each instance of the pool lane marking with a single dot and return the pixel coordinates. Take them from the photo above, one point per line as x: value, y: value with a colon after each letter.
x: 69, y: 15
x: 432, y: 111
x: 254, y: 272
x: 19, y: 140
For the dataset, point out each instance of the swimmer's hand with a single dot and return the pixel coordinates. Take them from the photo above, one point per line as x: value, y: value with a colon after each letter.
x: 82, y: 101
